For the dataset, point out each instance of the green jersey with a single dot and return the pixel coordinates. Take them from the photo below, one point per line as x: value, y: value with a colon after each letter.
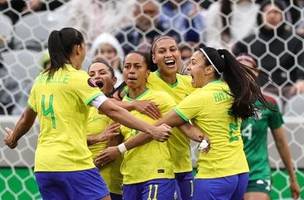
x: 254, y: 133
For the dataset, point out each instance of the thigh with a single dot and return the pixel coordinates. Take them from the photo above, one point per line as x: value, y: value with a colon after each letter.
x: 215, y: 189
x: 131, y: 191
x: 256, y: 195
x: 160, y: 189
x: 261, y: 187
x: 87, y: 184
x: 51, y: 187
x: 115, y: 196
x: 242, y: 184
x: 185, y: 185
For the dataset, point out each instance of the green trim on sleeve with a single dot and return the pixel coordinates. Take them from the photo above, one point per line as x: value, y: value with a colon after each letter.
x: 181, y: 115
x: 88, y: 101
x: 31, y: 106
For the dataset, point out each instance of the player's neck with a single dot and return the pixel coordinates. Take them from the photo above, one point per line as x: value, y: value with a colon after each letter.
x: 75, y: 62
x: 209, y: 80
x: 136, y: 92
x: 168, y: 78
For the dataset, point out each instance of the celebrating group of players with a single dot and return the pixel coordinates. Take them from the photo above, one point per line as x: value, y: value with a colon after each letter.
x: 148, y: 156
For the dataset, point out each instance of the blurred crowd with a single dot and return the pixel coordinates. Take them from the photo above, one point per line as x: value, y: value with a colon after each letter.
x: 269, y: 31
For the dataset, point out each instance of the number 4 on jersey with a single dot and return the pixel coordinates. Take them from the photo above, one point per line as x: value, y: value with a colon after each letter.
x: 49, y: 112
x: 247, y: 131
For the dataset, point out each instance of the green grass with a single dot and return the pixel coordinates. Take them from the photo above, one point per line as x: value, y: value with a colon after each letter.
x: 19, y: 184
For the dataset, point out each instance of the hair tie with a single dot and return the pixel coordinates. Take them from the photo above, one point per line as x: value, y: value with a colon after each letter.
x: 210, y: 60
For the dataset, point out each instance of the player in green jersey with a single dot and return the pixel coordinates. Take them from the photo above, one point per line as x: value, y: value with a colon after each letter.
x: 254, y: 133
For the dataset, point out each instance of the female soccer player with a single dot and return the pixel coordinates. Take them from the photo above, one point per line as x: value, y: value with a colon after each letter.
x: 254, y: 133
x: 60, y: 97
x: 139, y: 139
x: 101, y: 131
x: 226, y: 94
x: 147, y: 170
x: 178, y: 143
x: 167, y: 57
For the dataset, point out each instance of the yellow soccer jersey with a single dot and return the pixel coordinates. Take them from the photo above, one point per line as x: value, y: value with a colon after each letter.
x: 61, y: 104
x: 179, y: 144
x: 151, y: 160
x: 178, y: 91
x: 209, y: 107
x: 97, y: 123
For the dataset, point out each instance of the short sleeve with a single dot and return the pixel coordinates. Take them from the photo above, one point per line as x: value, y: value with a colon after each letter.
x: 275, y: 119
x: 190, y: 107
x: 82, y: 88
x: 31, y: 102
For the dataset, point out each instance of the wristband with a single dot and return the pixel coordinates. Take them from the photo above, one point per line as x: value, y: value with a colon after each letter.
x: 203, y: 145
x: 122, y: 148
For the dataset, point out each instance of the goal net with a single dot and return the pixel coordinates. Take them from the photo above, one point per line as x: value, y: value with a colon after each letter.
x: 25, y: 26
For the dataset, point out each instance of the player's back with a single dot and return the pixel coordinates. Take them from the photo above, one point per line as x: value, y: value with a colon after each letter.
x: 60, y: 103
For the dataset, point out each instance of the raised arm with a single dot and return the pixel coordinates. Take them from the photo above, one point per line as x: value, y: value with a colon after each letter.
x: 143, y: 106
x: 122, y: 116
x: 172, y: 118
x: 143, y: 138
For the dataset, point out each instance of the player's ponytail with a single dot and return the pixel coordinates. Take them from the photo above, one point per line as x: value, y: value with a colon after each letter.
x: 60, y: 46
x: 240, y: 80
x: 242, y: 85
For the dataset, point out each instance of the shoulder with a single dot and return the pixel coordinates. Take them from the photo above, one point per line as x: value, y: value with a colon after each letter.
x: 198, y: 94
x: 78, y: 76
x: 153, y: 75
x: 271, y: 100
x: 216, y: 84
x: 153, y: 78
x: 79, y: 73
x: 183, y: 77
x: 211, y: 89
